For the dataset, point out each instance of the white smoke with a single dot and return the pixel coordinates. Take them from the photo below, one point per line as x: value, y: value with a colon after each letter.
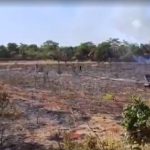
x: 135, y: 22
x: 141, y: 59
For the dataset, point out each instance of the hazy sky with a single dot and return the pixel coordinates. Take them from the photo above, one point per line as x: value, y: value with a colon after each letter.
x: 74, y: 24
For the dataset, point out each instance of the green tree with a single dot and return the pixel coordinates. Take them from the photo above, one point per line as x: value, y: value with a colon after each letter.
x: 127, y: 50
x: 115, y: 47
x: 13, y: 49
x: 103, y: 52
x: 33, y: 47
x: 67, y: 53
x: 145, y: 49
x: 22, y: 50
x: 4, y: 52
x: 84, y: 50
x: 32, y: 51
x: 51, y: 49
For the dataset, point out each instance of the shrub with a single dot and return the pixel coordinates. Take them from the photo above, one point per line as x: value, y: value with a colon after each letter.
x: 7, y: 108
x: 4, y: 102
x: 92, y: 143
x: 136, y: 120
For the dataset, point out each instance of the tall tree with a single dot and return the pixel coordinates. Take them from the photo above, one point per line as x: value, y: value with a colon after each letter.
x: 51, y: 48
x: 115, y: 47
x: 13, y: 49
x: 103, y: 52
x: 67, y: 53
x: 4, y: 52
x: 83, y: 50
x: 23, y: 49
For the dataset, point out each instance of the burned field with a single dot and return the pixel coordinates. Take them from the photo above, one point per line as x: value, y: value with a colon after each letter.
x: 78, y: 98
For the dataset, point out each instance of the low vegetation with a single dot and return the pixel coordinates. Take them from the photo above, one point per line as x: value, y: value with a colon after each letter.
x: 8, y: 108
x: 137, y: 124
x: 137, y: 121
x: 95, y: 143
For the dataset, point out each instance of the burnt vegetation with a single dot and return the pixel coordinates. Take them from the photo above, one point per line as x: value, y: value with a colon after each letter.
x: 75, y: 105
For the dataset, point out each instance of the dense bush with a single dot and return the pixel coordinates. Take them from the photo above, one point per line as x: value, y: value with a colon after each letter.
x: 136, y: 120
x: 109, y: 50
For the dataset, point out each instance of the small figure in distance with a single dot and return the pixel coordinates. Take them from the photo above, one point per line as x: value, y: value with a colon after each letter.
x: 80, y: 68
x: 73, y: 68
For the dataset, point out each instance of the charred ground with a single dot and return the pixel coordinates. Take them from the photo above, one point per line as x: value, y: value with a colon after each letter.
x: 69, y: 99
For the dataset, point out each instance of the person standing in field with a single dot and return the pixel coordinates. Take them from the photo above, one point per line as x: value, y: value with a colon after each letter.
x: 80, y: 68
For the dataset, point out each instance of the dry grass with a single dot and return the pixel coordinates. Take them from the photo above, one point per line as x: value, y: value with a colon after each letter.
x: 95, y: 143
x: 8, y: 109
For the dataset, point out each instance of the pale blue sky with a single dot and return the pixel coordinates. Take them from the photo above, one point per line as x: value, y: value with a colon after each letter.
x: 74, y: 24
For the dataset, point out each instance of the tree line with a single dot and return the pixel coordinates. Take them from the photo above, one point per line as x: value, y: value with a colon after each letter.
x: 110, y: 50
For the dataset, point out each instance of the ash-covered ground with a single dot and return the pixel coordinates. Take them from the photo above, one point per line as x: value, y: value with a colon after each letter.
x: 54, y: 98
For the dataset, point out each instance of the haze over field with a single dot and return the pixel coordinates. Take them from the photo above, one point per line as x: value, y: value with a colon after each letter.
x: 74, y: 24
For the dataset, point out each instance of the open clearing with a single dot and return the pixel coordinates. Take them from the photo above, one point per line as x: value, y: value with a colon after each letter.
x: 52, y: 98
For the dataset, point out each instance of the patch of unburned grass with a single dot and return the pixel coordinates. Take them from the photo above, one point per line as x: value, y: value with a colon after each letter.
x: 95, y: 143
x: 7, y: 108
x: 109, y: 97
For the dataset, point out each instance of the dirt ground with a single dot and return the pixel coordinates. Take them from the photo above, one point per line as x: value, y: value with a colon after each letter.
x: 53, y: 99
